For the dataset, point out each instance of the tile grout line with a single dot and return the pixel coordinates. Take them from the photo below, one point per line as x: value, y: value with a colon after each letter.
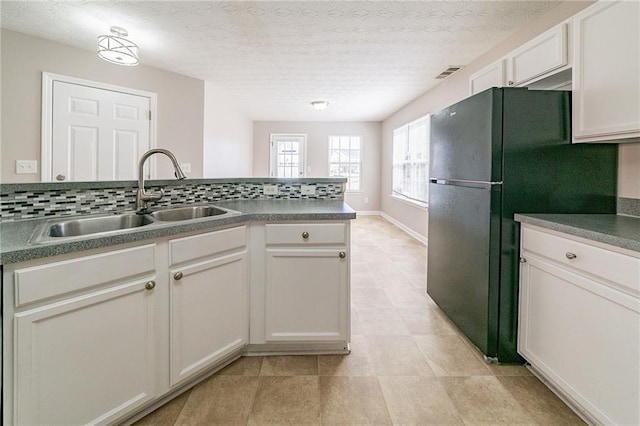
x: 255, y: 393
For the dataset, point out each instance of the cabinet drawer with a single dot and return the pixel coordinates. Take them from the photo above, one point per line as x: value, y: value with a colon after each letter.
x: 306, y: 233
x: 196, y: 246
x: 615, y: 267
x: 59, y: 278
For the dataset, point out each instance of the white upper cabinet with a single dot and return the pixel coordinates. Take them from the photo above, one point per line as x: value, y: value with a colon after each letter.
x: 495, y: 75
x: 606, y: 73
x: 540, y: 56
x: 538, y: 61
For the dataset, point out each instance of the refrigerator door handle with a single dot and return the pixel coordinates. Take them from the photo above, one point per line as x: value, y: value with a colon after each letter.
x: 467, y: 183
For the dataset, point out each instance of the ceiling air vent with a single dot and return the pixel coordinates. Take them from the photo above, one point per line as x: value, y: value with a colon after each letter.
x: 446, y: 73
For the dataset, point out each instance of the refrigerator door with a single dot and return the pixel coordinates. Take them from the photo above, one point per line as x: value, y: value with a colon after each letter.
x: 466, y: 139
x: 463, y: 261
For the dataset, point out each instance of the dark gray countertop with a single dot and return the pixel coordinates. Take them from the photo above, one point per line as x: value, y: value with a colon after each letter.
x: 616, y: 230
x: 15, y: 236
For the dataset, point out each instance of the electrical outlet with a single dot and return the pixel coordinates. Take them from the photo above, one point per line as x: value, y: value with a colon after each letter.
x: 308, y: 189
x: 186, y: 167
x: 26, y: 166
x: 270, y: 189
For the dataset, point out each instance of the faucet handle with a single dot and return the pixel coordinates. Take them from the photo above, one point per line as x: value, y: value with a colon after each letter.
x: 157, y: 195
x: 151, y: 196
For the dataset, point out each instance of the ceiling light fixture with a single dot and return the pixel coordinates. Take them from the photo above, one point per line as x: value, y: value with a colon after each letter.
x: 320, y: 105
x: 117, y: 49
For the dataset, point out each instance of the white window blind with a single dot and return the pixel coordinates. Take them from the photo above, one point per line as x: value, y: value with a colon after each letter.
x: 345, y: 160
x: 411, y: 160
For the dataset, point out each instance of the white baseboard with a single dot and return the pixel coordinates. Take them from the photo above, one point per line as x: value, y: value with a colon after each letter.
x: 368, y: 212
x: 413, y: 234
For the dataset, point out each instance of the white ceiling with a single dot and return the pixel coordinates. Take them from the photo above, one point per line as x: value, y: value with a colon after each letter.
x: 367, y: 58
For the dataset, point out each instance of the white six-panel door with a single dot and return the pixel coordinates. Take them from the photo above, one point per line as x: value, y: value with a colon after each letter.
x: 97, y: 134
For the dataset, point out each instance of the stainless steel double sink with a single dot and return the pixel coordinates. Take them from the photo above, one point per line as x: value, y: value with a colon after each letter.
x: 62, y: 229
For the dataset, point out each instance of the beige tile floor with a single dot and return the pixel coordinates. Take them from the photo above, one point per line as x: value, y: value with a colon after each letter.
x: 409, y: 364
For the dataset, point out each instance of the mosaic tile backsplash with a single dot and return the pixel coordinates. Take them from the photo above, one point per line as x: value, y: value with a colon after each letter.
x: 21, y: 202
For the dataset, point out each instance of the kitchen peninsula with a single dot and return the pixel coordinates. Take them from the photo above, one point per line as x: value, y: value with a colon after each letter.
x: 100, y: 327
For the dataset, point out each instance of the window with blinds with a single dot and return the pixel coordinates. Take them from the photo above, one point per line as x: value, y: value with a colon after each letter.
x: 411, y: 161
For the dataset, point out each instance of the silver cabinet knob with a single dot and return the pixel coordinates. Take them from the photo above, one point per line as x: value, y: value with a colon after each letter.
x: 305, y: 235
x: 342, y: 255
x: 177, y: 276
x: 523, y: 260
x: 150, y: 285
x: 60, y: 178
x: 570, y: 255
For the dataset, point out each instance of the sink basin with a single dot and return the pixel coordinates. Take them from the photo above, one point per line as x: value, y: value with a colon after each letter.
x: 94, y: 225
x: 187, y: 213
x: 78, y: 227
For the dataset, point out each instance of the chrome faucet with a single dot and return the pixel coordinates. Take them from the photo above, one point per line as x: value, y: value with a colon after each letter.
x: 141, y: 196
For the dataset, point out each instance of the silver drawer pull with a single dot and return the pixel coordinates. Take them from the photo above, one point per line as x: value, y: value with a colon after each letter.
x: 342, y: 255
x: 177, y: 276
x: 570, y: 255
x: 150, y: 285
x: 305, y: 235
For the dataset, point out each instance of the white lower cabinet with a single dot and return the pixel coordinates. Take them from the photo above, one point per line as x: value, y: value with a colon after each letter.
x: 300, y: 287
x: 89, y: 357
x: 306, y: 298
x: 307, y: 283
x: 95, y: 338
x: 209, y: 301
x: 579, y: 323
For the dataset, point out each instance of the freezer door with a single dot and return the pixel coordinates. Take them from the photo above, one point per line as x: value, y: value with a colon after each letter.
x: 463, y: 259
x: 466, y: 139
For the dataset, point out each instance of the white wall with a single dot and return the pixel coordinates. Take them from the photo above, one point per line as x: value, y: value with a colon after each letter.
x: 24, y: 58
x: 228, y: 136
x: 629, y: 170
x: 318, y: 133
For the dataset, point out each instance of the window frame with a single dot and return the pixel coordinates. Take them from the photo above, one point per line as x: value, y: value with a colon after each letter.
x: 407, y: 198
x: 359, y: 163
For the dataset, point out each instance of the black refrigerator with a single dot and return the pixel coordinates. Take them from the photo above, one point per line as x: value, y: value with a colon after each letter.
x: 496, y: 153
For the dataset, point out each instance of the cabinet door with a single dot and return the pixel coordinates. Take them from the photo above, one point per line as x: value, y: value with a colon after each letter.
x: 607, y: 73
x: 540, y: 56
x: 209, y: 313
x: 584, y: 337
x: 307, y: 295
x: 492, y: 76
x: 88, y: 359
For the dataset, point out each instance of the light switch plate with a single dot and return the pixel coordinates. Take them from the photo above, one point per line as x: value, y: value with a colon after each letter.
x: 26, y: 166
x: 270, y: 189
x: 308, y: 189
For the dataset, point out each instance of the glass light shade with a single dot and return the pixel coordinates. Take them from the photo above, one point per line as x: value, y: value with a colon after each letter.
x: 118, y: 50
x: 320, y: 105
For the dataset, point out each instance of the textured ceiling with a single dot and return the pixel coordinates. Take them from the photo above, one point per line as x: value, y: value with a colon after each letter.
x: 367, y: 58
